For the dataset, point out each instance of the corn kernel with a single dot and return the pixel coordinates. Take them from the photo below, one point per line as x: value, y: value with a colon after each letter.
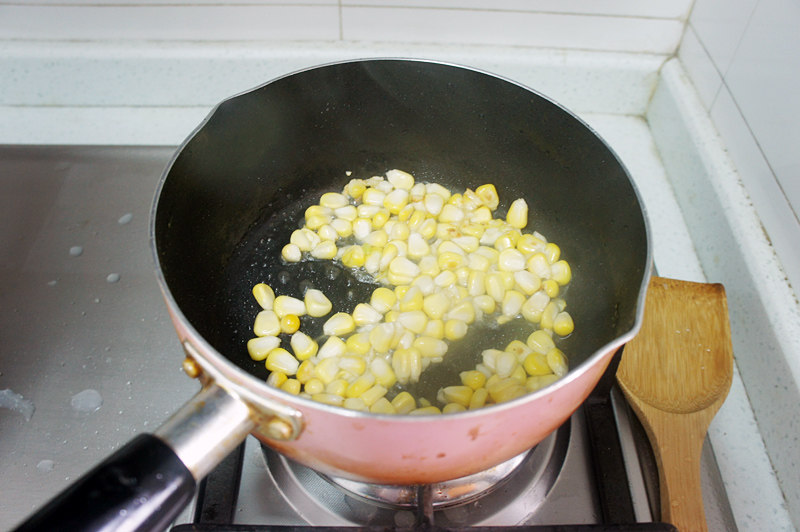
x: 276, y: 379
x: 285, y: 305
x: 430, y: 347
x: 512, y: 303
x: 354, y: 256
x: 433, y: 204
x: 561, y: 272
x: 316, y: 304
x: 472, y: 378
x: 485, y: 303
x: 327, y: 369
x: 488, y: 195
x: 539, y: 381
x: 355, y: 188
x: 407, y: 365
x: 355, y: 403
x: 267, y: 323
x: 291, y: 253
x: 259, y: 347
x: 280, y: 359
x: 292, y: 386
x: 373, y: 196
x: 518, y: 214
x: 452, y: 408
x: 264, y: 295
x: 380, y: 337
x: 382, y: 406
x: 457, y: 394
x: 396, y: 200
x: 425, y: 411
x: 404, y: 403
x: 358, y: 343
x: 314, y: 386
x: 505, y: 390
x: 411, y: 300
x: 289, y: 324
x: 478, y: 399
x: 537, y: 264
x: 455, y: 329
x: 557, y: 362
x: 535, y: 364
x: 534, y: 306
x: 332, y: 348
x: 400, y: 179
x: 549, y: 315
x: 305, y: 371
x: 383, y: 372
x: 373, y: 394
x: 360, y: 385
x: 328, y: 399
x: 552, y: 252
x: 353, y: 365
x: 540, y: 341
x: 563, y: 324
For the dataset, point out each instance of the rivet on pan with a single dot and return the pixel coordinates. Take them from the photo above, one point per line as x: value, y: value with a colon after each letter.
x: 191, y: 368
x: 278, y: 429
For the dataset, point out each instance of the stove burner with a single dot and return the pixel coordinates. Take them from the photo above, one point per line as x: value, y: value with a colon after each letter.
x: 469, y: 500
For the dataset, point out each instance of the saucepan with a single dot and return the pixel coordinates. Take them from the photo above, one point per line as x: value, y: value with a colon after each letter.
x: 237, y: 187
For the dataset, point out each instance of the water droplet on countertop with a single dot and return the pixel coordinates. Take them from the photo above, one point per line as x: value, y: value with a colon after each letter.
x: 45, y: 466
x: 125, y: 218
x: 76, y: 251
x: 52, y: 283
x: 88, y: 401
x: 112, y: 278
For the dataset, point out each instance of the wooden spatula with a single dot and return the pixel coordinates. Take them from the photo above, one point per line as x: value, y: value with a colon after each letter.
x: 676, y: 374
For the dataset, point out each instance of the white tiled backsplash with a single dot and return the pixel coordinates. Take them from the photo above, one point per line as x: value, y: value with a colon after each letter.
x: 743, y: 57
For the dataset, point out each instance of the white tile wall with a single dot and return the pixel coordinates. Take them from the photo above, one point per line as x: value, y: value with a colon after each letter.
x: 744, y: 58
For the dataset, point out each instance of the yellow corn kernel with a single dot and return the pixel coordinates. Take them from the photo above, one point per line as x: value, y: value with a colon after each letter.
x: 472, y: 378
x: 404, y: 403
x: 529, y: 244
x: 449, y: 260
x: 353, y: 365
x: 537, y: 264
x: 292, y: 386
x: 464, y: 311
x: 304, y: 346
x: 430, y: 347
x: 285, y: 305
x: 563, y: 324
x: 561, y: 272
x: 495, y: 287
x: 377, y: 238
x: 403, y: 267
x: 505, y: 390
x: 333, y: 200
x: 511, y: 260
x: 517, y: 214
x: 276, y: 379
x: 373, y: 394
x: 264, y: 295
x: 348, y: 213
x: 280, y: 359
x: 364, y: 314
x: 534, y: 306
x: 451, y: 213
x: 259, y: 347
x: 328, y: 399
x: 452, y: 408
x: 354, y: 256
x: 488, y: 195
x: 428, y: 228
x: 291, y: 253
x: 411, y: 300
x: 528, y: 283
x: 455, y: 329
x: 505, y: 364
x: 382, y: 299
x: 305, y: 371
x: 355, y: 403
x: 485, y: 303
x: 435, y: 305
x: 355, y: 188
x: 396, y: 200
x: 519, y: 374
x: 314, y: 386
x: 327, y: 369
x: 540, y: 341
x: 382, y: 406
x: 535, y: 364
x: 358, y: 343
x: 512, y: 303
x: 407, y: 365
x: 327, y: 233
x: 400, y: 179
x: 290, y: 324
x: 342, y: 227
x: 305, y: 239
x: 557, y: 362
x: 383, y: 372
x: 540, y: 381
x: 340, y: 324
x: 425, y: 411
x: 267, y: 323
x: 552, y: 252
x: 457, y: 394
x: 380, y: 337
x: 391, y: 316
x: 380, y: 218
x: 550, y: 287
x: 413, y: 320
x: 332, y: 348
x: 360, y: 385
x: 549, y: 315
x: 478, y: 399
x: 373, y: 196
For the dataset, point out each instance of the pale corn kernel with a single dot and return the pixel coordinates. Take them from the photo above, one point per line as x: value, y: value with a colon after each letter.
x: 377, y: 238
x: 391, y: 316
x: 327, y: 232
x: 405, y: 213
x: 404, y: 403
x: 489, y: 358
x: 326, y: 370
x: 462, y: 311
x: 355, y: 403
x: 430, y: 347
x: 264, y: 295
x: 276, y: 379
x: 355, y: 188
x: 449, y: 260
x: 549, y: 315
x: 434, y: 329
x: 552, y: 252
x: 451, y: 213
x: 372, y: 262
x: 433, y: 204
x: 291, y: 386
x: 429, y: 265
x: 333, y: 200
x: 428, y: 228
x: 280, y: 359
x: 404, y: 267
x: 517, y: 214
x: 476, y: 283
x: 436, y: 188
x: 332, y: 348
x: 360, y: 385
x: 472, y: 378
x: 519, y: 348
x: 373, y: 196
x: 508, y: 240
x: 455, y: 199
x: 396, y: 200
x: 425, y: 411
x: 383, y: 372
x: 539, y: 381
x: 367, y: 211
x: 467, y: 243
x: 353, y: 256
x: 305, y: 371
x: 536, y: 364
x: 457, y: 394
x: 413, y: 320
x: 487, y: 372
x: 455, y: 329
x: 453, y: 408
x: 382, y: 406
x: 342, y: 227
x: 285, y: 305
x: 290, y: 324
x: 561, y: 272
x: 495, y: 286
x: 490, y: 236
x: 506, y: 390
x: 563, y: 324
x: 400, y: 179
x: 382, y: 299
x: 352, y: 364
x: 481, y: 215
x: 267, y: 323
x: 488, y: 195
x: 485, y: 303
x: 417, y: 246
x: 365, y: 314
x: 315, y: 222
x: 373, y: 394
x: 529, y: 244
x: 328, y: 399
x: 537, y: 264
x: 417, y: 192
x: 435, y: 305
x: 358, y: 343
x: 511, y: 260
x: 380, y: 337
x: 550, y: 287
x: 540, y: 341
x: 534, y: 306
x: 462, y: 276
x: 527, y: 282
x: 425, y: 284
x: 411, y: 300
x: 316, y: 304
x: 361, y: 228
x: 337, y: 387
x: 519, y: 374
x: 407, y: 365
x: 291, y: 253
x: 259, y: 347
x: 557, y: 362
x: 313, y: 386
x: 505, y: 364
x: 512, y: 303
x: 380, y: 218
x: 347, y: 212
x: 478, y: 399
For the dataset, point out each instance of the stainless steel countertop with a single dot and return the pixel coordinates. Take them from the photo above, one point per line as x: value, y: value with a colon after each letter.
x: 72, y: 219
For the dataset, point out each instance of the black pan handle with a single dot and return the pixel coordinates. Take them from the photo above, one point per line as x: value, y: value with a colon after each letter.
x: 142, y: 486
